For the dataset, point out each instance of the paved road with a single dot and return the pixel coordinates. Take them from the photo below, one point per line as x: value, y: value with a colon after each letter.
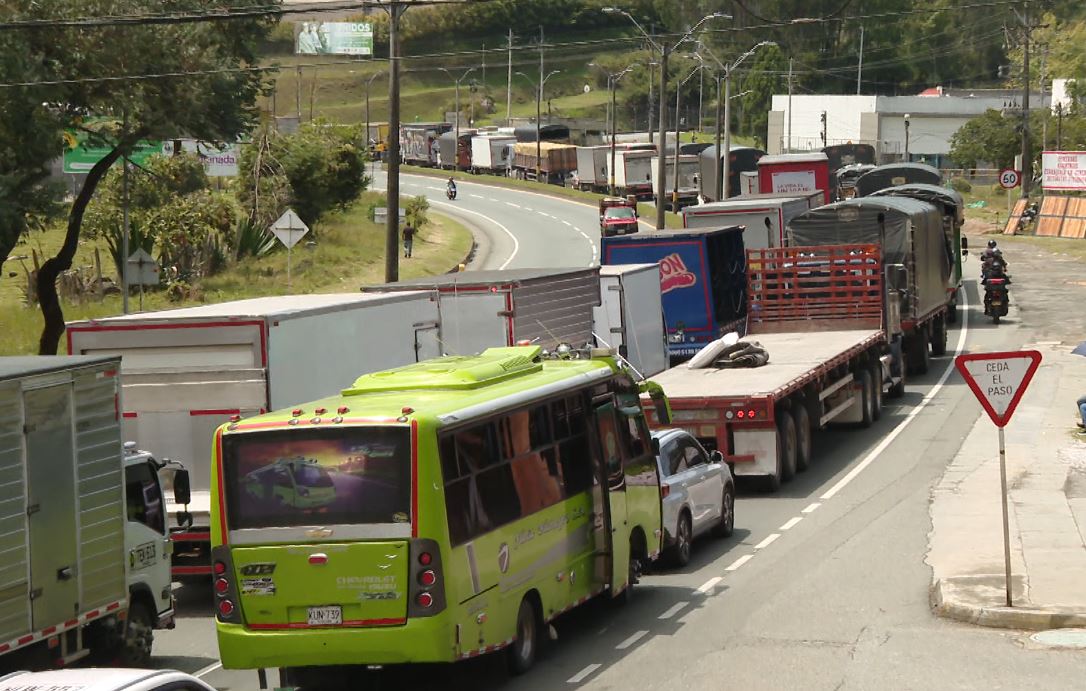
x: 823, y: 585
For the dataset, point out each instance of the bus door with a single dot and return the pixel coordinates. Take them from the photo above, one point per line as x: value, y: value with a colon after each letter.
x: 612, y: 493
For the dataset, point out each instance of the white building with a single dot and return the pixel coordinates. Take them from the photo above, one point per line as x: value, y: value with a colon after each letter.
x: 1061, y: 94
x: 933, y: 117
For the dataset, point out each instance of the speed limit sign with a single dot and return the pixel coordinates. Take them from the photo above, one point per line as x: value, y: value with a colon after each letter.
x: 1009, y: 179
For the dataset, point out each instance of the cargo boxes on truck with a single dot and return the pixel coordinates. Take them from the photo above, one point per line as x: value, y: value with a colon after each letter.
x: 702, y: 280
x: 687, y: 190
x: 630, y: 316
x: 795, y: 174
x: 484, y: 309
x: 555, y: 161
x: 187, y: 371
x: 764, y: 216
x: 492, y: 153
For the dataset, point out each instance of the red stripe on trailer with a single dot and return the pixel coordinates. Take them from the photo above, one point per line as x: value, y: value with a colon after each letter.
x: 130, y: 415
x: 29, y: 638
x: 215, y: 411
x: 49, y: 631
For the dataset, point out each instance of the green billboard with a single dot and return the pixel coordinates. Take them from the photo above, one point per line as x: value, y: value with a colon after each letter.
x: 80, y: 155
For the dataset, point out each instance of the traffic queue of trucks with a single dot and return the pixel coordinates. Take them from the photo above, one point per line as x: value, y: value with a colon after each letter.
x: 851, y: 298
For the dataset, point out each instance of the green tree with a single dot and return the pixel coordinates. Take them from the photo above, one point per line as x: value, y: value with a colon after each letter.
x: 163, y: 80
x: 991, y: 138
x: 765, y: 78
x: 320, y: 168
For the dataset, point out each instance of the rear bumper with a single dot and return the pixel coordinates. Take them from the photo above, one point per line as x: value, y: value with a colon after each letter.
x: 420, y: 640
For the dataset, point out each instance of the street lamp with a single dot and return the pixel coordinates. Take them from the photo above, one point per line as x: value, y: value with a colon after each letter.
x: 664, y: 51
x: 538, y: 115
x: 723, y: 166
x: 906, y: 137
x: 456, y: 144
x: 612, y: 85
x: 675, y: 173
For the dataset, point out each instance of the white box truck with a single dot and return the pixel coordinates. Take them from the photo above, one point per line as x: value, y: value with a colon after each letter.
x: 592, y: 162
x: 689, y: 169
x: 764, y: 215
x: 485, y: 309
x: 187, y: 371
x: 83, y: 534
x: 630, y: 317
x: 633, y: 172
x: 492, y: 153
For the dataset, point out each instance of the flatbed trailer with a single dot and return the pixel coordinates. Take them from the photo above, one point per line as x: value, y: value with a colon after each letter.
x: 820, y: 315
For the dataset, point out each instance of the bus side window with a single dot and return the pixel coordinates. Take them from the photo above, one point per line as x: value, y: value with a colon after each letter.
x: 633, y: 434
x: 574, y: 453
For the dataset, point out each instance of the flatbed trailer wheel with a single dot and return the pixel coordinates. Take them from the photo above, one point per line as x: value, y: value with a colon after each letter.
x: 876, y: 381
x: 787, y: 443
x: 867, y: 395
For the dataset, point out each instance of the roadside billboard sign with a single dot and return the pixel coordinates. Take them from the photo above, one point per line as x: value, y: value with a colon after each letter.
x: 1063, y: 170
x: 219, y: 161
x: 333, y: 38
x: 80, y: 154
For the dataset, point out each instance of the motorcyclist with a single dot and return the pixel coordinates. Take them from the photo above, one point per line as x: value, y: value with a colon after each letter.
x: 450, y: 187
x: 995, y: 266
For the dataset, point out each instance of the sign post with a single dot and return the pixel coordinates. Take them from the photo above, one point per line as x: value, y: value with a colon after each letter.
x: 998, y: 380
x: 1008, y: 180
x: 289, y: 229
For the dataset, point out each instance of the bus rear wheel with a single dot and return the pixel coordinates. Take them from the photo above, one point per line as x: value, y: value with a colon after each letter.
x: 522, y: 652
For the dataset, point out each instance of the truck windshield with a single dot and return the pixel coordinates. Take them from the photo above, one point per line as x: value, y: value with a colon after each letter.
x: 342, y: 476
x: 619, y: 212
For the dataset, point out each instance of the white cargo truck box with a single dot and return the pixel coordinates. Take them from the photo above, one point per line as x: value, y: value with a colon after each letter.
x: 62, y: 503
x: 592, y: 167
x: 689, y: 169
x: 764, y: 215
x: 630, y: 317
x: 187, y: 371
x: 491, y: 152
x: 485, y: 309
x: 633, y: 172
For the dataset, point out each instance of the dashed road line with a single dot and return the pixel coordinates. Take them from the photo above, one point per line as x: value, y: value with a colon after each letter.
x: 583, y: 674
x: 811, y: 507
x: 208, y: 670
x: 528, y: 208
x: 791, y: 522
x: 673, y: 610
x: 515, y: 206
x: 889, y: 438
x: 768, y: 541
x: 709, y: 584
x: 477, y: 196
x: 631, y: 640
x: 739, y: 562
x: 567, y: 223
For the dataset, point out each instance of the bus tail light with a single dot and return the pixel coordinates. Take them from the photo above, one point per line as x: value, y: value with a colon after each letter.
x: 226, y: 593
x: 427, y: 592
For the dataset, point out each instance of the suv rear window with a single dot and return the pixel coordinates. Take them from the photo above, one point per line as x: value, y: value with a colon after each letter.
x: 345, y: 476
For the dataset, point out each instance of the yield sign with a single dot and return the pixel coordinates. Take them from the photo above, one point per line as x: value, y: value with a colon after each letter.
x: 998, y: 380
x: 289, y: 228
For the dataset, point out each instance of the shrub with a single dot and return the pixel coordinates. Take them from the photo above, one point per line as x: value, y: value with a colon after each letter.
x: 961, y: 185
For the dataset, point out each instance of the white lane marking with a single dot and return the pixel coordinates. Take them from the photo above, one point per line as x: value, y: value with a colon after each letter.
x: 631, y: 640
x: 739, y: 562
x: 584, y: 235
x: 889, y: 438
x: 811, y: 507
x: 528, y: 208
x: 583, y: 674
x: 436, y: 189
x: 709, y: 584
x: 515, y: 206
x: 768, y: 541
x: 567, y: 223
x: 673, y: 610
x: 492, y: 199
x: 579, y: 230
x: 791, y: 522
x: 208, y: 670
x: 477, y: 196
x: 516, y: 243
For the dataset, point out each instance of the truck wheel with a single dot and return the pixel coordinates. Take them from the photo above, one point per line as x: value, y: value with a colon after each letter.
x: 866, y: 396
x: 924, y: 351
x: 952, y: 313
x: 938, y: 336
x: 526, y: 643
x: 803, y: 437
x: 876, y: 400
x: 138, y: 637
x: 786, y: 436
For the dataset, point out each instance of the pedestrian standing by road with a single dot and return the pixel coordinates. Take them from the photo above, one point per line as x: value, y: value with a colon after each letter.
x: 408, y: 239
x: 1082, y: 412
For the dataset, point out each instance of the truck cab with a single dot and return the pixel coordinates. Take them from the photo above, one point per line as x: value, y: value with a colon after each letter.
x: 149, y: 550
x: 618, y: 216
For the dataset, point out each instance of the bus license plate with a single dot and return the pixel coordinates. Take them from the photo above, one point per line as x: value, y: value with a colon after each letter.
x: 325, y: 616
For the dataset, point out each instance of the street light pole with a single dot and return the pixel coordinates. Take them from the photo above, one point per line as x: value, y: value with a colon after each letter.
x: 368, y: 84
x: 906, y: 137
x: 664, y: 51
x: 675, y: 172
x: 611, y: 181
x: 538, y: 115
x: 456, y: 142
x: 720, y: 102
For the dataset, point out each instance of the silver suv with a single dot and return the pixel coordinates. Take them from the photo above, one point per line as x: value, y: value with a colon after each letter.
x: 697, y: 491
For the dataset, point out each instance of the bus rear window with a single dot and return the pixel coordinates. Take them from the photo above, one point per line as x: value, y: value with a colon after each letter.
x: 344, y: 476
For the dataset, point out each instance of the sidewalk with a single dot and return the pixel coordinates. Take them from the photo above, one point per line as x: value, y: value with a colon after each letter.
x: 1046, y: 478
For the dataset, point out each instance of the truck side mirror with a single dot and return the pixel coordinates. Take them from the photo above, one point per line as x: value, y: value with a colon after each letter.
x: 965, y: 246
x: 182, y: 489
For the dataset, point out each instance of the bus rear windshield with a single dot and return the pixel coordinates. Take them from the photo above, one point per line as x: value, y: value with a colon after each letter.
x: 344, y: 476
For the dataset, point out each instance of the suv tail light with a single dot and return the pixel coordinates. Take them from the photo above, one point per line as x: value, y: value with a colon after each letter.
x: 665, y: 490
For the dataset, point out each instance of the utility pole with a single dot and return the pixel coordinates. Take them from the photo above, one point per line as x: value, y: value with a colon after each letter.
x: 392, y: 227
x: 1047, y: 111
x: 484, y: 64
x: 648, y: 125
x: 701, y: 98
x: 298, y: 96
x: 124, y: 224
x: 614, y: 87
x: 661, y: 151
x: 721, y: 157
x: 539, y: 108
x: 860, y: 67
x: 823, y: 128
x: 1059, y: 127
x: 789, y: 147
x: 1027, y: 161
x: 509, y: 82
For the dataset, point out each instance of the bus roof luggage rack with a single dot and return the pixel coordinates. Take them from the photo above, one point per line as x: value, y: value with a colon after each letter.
x: 459, y: 372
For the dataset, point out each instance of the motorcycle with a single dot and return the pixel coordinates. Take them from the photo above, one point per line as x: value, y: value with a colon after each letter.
x: 996, y: 299
x: 450, y: 192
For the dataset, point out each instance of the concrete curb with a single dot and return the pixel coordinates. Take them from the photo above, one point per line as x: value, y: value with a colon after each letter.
x: 957, y: 600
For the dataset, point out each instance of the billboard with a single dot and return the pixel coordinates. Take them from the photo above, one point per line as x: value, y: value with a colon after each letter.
x: 333, y: 38
x: 1063, y: 170
x: 81, y: 153
x: 219, y: 162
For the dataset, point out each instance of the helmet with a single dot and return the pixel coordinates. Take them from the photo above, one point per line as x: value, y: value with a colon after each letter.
x: 991, y: 244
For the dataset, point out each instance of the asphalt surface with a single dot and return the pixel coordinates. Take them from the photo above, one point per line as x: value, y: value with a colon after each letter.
x: 822, y: 586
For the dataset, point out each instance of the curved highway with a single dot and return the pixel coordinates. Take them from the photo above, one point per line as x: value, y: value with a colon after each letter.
x: 822, y: 586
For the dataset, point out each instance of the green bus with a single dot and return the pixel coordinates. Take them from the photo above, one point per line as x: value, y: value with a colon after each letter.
x: 475, y: 499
